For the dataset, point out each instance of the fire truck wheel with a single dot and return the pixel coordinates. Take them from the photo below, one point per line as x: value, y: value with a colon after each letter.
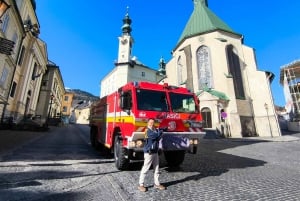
x: 119, y: 153
x: 174, y: 158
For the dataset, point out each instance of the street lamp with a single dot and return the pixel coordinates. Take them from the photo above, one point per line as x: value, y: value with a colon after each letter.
x: 267, y: 109
x: 50, y: 107
x: 3, y: 7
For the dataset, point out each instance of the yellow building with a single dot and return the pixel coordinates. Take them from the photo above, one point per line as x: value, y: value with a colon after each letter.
x: 67, y: 104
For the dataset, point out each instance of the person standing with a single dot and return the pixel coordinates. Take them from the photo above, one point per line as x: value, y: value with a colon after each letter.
x: 151, y: 157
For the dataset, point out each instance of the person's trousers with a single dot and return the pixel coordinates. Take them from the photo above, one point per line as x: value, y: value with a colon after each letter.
x: 150, y: 159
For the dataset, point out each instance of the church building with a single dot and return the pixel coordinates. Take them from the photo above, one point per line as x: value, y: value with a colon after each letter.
x: 211, y: 60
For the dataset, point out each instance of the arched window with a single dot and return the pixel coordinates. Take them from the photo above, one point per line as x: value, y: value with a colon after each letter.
x: 234, y: 69
x: 206, y: 116
x: 204, y: 68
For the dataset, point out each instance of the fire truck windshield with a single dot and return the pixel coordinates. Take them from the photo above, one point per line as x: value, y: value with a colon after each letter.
x: 151, y: 100
x: 182, y: 103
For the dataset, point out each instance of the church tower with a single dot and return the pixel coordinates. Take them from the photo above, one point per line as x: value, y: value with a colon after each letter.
x: 127, y: 67
x: 125, y: 41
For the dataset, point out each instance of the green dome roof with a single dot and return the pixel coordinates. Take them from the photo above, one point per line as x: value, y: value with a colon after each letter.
x: 201, y: 21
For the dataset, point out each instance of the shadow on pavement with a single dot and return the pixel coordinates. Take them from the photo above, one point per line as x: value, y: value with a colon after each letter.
x: 211, y: 162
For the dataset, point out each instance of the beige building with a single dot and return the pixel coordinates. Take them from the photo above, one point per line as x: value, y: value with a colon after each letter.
x: 211, y: 60
x: 81, y: 114
x: 51, y: 93
x: 27, y: 62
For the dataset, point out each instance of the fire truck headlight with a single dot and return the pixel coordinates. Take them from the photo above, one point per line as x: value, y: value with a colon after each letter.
x: 139, y: 143
x: 132, y: 144
x: 193, y: 141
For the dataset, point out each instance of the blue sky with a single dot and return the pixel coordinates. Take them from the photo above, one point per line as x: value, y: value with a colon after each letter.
x: 82, y: 38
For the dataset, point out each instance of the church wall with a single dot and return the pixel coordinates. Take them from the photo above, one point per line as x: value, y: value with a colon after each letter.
x: 258, y: 87
x: 259, y: 93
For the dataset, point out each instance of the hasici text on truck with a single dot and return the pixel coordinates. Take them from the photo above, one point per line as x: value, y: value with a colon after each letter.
x: 118, y: 121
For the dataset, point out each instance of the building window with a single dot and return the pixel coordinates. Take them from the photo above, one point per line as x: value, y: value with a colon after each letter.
x: 204, y: 68
x: 33, y: 76
x: 19, y: 4
x: 13, y: 89
x: 234, y: 69
x: 206, y: 115
x: 3, y: 77
x: 65, y: 109
x: 15, y: 39
x: 21, y: 56
x: 5, y: 22
x: 66, y: 98
x: 143, y: 74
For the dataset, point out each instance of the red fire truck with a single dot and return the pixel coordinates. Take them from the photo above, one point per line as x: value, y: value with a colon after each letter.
x: 118, y: 121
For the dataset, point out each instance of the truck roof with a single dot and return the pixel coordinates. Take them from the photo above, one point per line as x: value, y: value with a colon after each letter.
x: 156, y: 86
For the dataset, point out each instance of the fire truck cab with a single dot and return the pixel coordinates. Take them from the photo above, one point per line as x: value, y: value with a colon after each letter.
x: 118, y: 121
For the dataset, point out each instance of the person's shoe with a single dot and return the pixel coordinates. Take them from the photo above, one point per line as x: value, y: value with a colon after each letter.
x: 142, y: 188
x: 160, y: 187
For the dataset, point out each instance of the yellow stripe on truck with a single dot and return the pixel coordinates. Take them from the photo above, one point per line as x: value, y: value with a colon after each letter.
x: 121, y: 119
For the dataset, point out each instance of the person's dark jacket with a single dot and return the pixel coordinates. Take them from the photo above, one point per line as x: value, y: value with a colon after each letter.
x: 152, y: 140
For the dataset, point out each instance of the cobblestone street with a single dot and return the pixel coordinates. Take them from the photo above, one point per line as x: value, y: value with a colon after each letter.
x: 61, y: 165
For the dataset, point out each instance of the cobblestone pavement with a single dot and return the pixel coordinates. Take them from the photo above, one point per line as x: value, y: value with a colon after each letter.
x: 223, y: 169
x: 229, y: 170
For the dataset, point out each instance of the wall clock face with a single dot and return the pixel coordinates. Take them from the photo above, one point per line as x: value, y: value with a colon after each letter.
x: 124, y: 41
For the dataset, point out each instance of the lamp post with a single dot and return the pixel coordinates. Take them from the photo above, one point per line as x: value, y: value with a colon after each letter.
x: 267, y: 110
x: 50, y: 107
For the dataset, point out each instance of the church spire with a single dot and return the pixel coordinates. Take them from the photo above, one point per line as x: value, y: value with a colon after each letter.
x: 201, y: 1
x: 125, y: 40
x: 126, y: 28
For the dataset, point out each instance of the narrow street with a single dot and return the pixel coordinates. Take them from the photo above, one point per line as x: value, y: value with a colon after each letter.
x: 61, y: 165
